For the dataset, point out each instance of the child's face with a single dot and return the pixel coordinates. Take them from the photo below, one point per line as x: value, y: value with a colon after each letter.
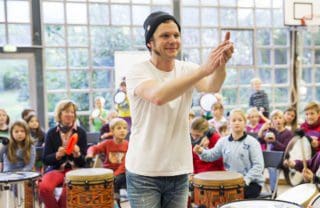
x: 256, y: 85
x: 18, y: 133
x: 3, y: 117
x: 253, y: 118
x: 196, y: 134
x: 311, y: 116
x: 33, y: 123
x: 217, y: 112
x: 278, y: 121
x: 237, y: 123
x: 99, y: 103
x: 120, y: 131
x: 289, y: 116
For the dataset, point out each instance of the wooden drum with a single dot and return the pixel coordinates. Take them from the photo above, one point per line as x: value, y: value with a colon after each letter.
x: 90, y: 188
x: 217, y: 187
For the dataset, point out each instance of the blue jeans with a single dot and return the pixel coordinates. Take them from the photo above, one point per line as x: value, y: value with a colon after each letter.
x: 157, y: 192
x: 272, y: 178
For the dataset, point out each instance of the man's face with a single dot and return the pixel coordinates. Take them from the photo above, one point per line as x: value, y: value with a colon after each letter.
x: 166, y: 40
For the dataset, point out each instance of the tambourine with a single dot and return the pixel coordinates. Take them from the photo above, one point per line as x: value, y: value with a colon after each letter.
x: 207, y: 100
x: 119, y: 97
x: 95, y: 113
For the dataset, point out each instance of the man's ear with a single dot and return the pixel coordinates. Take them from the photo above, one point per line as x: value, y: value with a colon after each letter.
x: 149, y: 45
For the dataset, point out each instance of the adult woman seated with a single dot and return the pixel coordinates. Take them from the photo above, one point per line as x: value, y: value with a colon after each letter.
x: 55, y: 155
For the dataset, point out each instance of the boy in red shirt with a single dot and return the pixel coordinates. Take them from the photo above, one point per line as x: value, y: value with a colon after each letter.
x: 115, y: 151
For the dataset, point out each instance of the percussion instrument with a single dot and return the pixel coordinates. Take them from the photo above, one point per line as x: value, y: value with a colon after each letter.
x: 217, y: 187
x: 119, y: 97
x: 72, y: 142
x: 260, y: 203
x: 207, y: 100
x: 18, y: 189
x: 315, y: 201
x: 95, y: 113
x: 90, y: 188
x: 294, y: 152
x: 300, y: 194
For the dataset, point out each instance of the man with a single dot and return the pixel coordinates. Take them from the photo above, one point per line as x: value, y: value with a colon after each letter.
x: 160, y: 92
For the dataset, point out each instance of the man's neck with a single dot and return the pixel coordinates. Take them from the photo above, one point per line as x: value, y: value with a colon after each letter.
x: 166, y: 65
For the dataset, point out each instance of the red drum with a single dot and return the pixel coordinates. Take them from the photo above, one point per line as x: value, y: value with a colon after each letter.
x: 217, y: 187
x: 294, y: 152
x: 260, y: 203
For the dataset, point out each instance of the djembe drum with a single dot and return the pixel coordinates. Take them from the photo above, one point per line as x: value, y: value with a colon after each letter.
x: 90, y: 188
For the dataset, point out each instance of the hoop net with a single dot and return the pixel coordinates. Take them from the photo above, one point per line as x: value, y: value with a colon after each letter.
x: 305, y: 21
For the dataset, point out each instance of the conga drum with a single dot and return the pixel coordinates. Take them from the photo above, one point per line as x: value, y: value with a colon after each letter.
x: 90, y: 188
x: 217, y: 187
x: 260, y: 203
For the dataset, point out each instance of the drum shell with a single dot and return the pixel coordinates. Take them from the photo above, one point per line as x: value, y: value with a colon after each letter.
x: 217, y: 187
x: 90, y: 188
x: 315, y: 201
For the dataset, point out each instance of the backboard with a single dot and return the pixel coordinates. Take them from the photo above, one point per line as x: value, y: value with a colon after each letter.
x: 301, y: 12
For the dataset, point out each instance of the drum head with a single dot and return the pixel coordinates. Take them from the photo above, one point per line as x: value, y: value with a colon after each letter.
x: 9, y: 177
x: 315, y: 201
x: 260, y: 203
x: 207, y: 100
x: 218, y: 178
x: 89, y: 175
x: 294, y: 152
x: 119, y: 97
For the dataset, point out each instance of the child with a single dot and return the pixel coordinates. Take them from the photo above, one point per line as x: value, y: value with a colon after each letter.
x: 37, y: 135
x: 101, y: 117
x: 4, y: 124
x: 311, y: 126
x: 19, y: 154
x: 218, y: 118
x: 123, y: 108
x: 241, y: 153
x: 115, y: 151
x: 199, y: 132
x: 277, y: 137
x: 105, y: 132
x: 253, y: 125
x: 290, y: 117
x: 259, y: 98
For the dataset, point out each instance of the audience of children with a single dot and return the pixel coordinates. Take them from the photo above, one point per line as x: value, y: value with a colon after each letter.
x: 241, y: 153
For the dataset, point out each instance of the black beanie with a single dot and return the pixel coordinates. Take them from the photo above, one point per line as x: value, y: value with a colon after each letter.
x: 153, y: 21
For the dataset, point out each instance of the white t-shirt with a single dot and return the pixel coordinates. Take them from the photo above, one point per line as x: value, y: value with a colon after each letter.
x: 159, y: 142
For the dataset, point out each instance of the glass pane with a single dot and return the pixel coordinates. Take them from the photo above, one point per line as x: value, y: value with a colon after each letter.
x: 245, y: 3
x: 264, y: 56
x: 79, y: 79
x: 209, y: 17
x: 246, y: 75
x: 306, y: 37
x: 265, y: 74
x: 2, y: 35
x: 19, y: 34
x: 228, y: 17
x: 281, y: 76
x: 281, y: 95
x: 99, y: 14
x: 280, y: 56
x: 56, y: 80
x: 84, y: 121
x: 277, y: 4
x: 18, y: 11
x: 263, y: 4
x: 230, y: 96
x: 317, y: 93
x: 232, y: 78
x: 316, y: 38
x: 317, y: 56
x: 280, y: 36
x: 120, y: 15
x: 78, y: 57
x: 162, y: 8
x: 55, y: 57
x: 54, y: 35
x: 263, y: 37
x: 102, y: 50
x: 77, y: 36
x: 53, y: 99
x: 138, y: 36
x: 209, y: 37
x: 120, y: 1
x: 209, y: 2
x: 263, y: 17
x: 244, y: 94
x: 140, y: 1
x: 168, y: 2
x: 81, y: 99
x: 307, y: 75
x: 102, y: 79
x: 307, y: 56
x: 317, y: 75
x: 228, y: 3
x: 305, y: 94
x: 278, y: 18
x: 245, y: 17
x: 190, y: 37
x: 76, y: 13
x: 190, y: 16
x: 2, y: 11
x: 14, y: 86
x: 53, y: 12
x: 190, y: 2
x: 192, y: 55
x: 139, y: 14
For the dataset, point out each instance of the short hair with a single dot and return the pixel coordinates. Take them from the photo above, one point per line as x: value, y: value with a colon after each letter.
x: 256, y: 79
x: 63, y: 105
x: 25, y: 113
x: 312, y: 106
x: 276, y: 113
x: 117, y: 121
x: 199, y: 124
x: 252, y: 110
x: 217, y: 105
x: 8, y: 118
x: 239, y: 111
x: 102, y: 100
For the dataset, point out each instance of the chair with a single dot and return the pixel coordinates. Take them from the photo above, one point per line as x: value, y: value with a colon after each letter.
x: 272, y: 159
x: 93, y: 138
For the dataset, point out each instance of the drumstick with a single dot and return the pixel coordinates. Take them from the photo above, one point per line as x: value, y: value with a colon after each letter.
x: 96, y: 158
x: 304, y: 162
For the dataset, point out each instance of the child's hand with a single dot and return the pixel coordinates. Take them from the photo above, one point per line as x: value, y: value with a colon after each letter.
x: 289, y: 163
x: 205, y: 142
x: 307, y: 175
x: 314, y: 143
x: 198, y: 149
